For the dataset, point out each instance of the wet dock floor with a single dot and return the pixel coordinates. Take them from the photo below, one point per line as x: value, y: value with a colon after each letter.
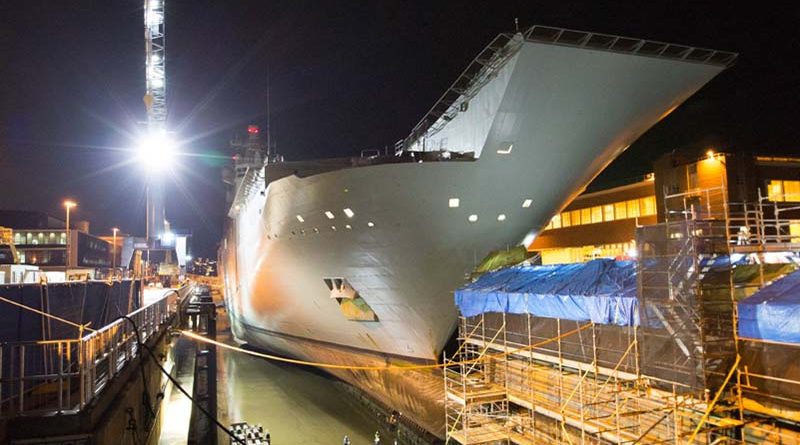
x: 296, y: 404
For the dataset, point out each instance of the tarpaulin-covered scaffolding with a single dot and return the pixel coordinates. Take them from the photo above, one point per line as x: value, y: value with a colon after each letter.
x: 665, y: 322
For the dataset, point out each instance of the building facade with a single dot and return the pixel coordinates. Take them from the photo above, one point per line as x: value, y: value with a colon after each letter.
x: 42, y: 241
x: 602, y: 224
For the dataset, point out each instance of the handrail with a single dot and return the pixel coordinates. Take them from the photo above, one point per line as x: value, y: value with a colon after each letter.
x: 58, y: 376
x: 632, y: 45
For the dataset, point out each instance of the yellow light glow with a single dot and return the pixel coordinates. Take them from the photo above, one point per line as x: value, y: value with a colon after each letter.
x: 70, y: 204
x: 710, y: 154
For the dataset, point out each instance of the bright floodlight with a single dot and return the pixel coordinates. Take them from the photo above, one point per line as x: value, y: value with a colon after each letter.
x: 156, y: 151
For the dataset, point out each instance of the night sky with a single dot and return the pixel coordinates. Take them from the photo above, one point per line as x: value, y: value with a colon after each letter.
x: 345, y: 76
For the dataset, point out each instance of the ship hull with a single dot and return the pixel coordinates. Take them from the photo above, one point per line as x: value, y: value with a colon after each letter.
x: 405, y: 235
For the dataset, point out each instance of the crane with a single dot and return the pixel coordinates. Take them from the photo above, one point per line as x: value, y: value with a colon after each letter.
x: 155, y: 101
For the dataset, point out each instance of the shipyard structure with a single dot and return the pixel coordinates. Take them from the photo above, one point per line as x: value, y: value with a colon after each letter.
x: 682, y: 330
x: 353, y: 261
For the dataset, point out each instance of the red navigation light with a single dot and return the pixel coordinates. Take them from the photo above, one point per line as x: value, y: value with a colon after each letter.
x: 252, y: 129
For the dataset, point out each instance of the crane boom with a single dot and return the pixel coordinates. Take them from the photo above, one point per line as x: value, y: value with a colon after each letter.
x: 155, y: 65
x: 155, y: 100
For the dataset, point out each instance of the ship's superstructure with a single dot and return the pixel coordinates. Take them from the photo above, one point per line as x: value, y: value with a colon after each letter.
x: 354, y: 261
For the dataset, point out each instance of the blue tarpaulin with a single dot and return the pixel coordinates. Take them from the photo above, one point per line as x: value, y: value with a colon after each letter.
x: 773, y: 313
x: 603, y: 291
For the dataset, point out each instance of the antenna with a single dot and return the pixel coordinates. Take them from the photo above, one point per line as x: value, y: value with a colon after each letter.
x: 269, y: 124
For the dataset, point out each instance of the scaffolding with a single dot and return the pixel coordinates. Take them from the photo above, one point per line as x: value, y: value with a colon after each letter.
x: 556, y: 381
x: 681, y: 376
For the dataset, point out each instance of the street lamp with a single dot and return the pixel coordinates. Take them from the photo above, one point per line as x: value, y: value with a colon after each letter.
x: 114, y: 252
x: 68, y: 205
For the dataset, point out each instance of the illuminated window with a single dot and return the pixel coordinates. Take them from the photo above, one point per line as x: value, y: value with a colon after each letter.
x: 300, y: 218
x: 329, y: 215
x: 608, y: 212
x: 370, y: 224
x: 575, y: 216
x: 633, y: 208
x: 791, y: 191
x: 349, y: 213
x: 473, y: 218
x: 620, y: 210
x: 586, y: 216
x: 501, y: 217
x: 454, y: 202
x: 566, y: 219
x: 527, y: 203
x: 597, y: 214
x: 775, y: 190
x: 794, y: 231
x: 348, y: 226
x: 647, y: 206
x: 556, y: 222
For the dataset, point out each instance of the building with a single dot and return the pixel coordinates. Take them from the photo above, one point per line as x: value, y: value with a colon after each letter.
x: 598, y: 224
x: 601, y: 224
x: 41, y: 240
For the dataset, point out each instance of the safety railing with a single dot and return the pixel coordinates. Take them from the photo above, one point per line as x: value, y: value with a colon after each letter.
x: 63, y: 376
x: 609, y: 42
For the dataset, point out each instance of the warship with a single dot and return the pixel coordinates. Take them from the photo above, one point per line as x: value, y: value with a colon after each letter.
x: 353, y: 261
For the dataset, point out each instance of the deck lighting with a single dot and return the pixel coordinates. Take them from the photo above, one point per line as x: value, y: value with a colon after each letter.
x: 300, y: 218
x: 454, y: 202
x: 349, y: 213
x: 501, y: 217
x: 329, y: 215
x: 473, y: 218
x: 370, y: 224
x: 156, y: 151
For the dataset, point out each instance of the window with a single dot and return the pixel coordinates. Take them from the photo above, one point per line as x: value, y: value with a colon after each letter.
x: 775, y: 190
x: 620, y: 210
x: 647, y: 206
x: 557, y: 222
x: 454, y: 202
x: 586, y: 216
x: 575, y: 216
x: 608, y: 212
x: 566, y: 220
x: 791, y: 191
x: 597, y: 214
x: 633, y: 208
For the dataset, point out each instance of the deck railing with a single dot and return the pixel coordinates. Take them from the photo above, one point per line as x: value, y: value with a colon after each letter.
x: 63, y: 376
